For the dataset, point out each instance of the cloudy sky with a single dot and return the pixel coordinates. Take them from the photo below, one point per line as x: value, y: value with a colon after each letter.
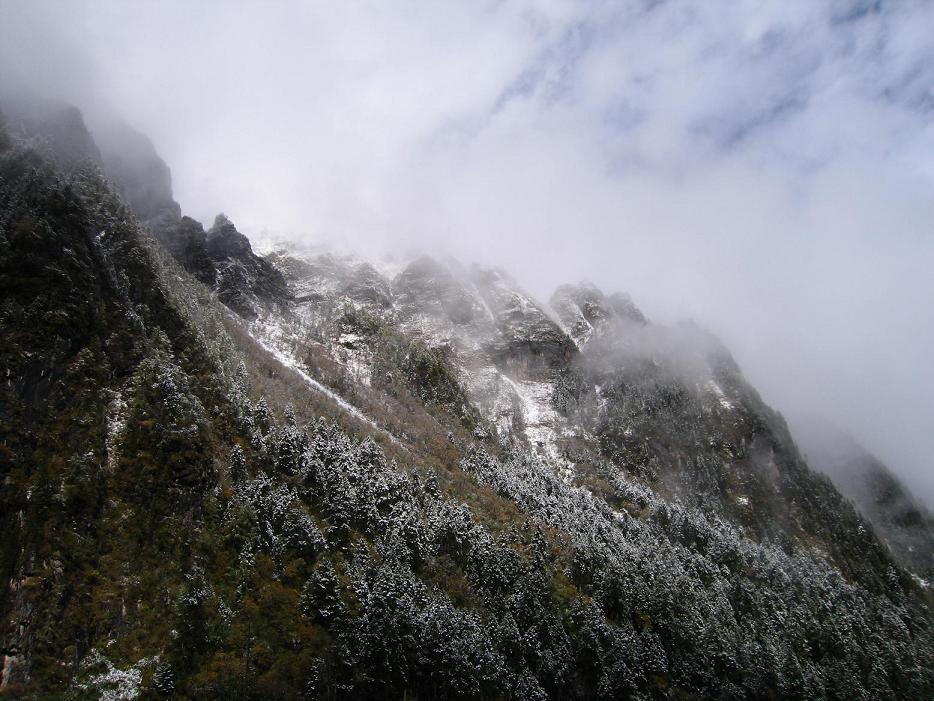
x: 763, y: 167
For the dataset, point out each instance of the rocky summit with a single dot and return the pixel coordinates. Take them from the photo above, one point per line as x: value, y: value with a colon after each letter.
x: 309, y: 474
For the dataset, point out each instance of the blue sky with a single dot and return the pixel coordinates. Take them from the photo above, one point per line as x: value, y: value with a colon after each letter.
x: 766, y: 168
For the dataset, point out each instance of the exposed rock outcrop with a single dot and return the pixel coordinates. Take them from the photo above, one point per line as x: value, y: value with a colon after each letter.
x: 585, y: 311
x: 245, y: 282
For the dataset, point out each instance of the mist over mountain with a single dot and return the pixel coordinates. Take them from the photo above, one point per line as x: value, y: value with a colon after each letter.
x: 763, y: 171
x: 420, y: 416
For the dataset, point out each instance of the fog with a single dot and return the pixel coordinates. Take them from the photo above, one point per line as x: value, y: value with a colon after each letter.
x: 764, y: 168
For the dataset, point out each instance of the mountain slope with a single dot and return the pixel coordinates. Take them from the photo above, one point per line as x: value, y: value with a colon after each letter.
x: 470, y: 521
x: 904, y: 524
x: 619, y: 396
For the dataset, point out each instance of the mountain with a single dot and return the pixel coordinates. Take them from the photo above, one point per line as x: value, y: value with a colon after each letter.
x: 586, y: 384
x: 904, y: 524
x: 311, y: 475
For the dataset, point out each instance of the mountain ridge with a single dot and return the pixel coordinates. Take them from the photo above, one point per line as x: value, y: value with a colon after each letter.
x: 506, y: 512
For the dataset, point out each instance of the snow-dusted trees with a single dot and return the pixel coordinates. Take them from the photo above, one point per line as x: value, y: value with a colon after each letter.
x: 320, y: 597
x: 167, y: 438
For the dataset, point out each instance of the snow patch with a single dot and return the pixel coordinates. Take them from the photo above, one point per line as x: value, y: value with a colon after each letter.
x: 350, y: 340
x: 115, y: 684
x: 116, y: 425
x: 538, y: 414
x: 718, y: 392
x: 358, y: 368
x: 270, y: 337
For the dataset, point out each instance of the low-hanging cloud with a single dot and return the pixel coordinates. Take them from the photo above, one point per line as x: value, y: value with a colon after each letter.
x: 765, y: 168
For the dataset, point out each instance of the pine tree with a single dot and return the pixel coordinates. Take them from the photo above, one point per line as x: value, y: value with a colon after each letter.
x: 237, y: 464
x: 320, y: 598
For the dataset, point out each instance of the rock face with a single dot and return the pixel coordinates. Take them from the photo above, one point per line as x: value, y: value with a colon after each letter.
x: 187, y: 242
x: 585, y: 311
x: 245, y: 282
x: 366, y: 286
x: 226, y: 243
x: 529, y: 343
x: 140, y: 176
x: 58, y: 129
x: 427, y: 288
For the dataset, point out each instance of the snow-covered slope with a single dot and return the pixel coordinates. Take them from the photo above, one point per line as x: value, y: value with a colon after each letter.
x: 503, y: 345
